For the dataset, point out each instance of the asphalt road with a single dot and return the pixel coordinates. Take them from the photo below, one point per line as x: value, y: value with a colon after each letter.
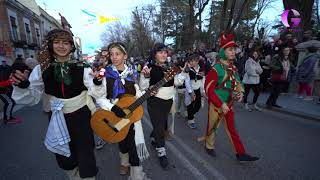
x: 288, y: 146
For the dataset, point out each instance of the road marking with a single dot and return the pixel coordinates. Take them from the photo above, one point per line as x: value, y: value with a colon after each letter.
x: 195, y: 171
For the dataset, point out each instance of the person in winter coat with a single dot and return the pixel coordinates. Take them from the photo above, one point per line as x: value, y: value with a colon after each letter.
x: 251, y: 79
x: 306, y: 73
x: 280, y: 68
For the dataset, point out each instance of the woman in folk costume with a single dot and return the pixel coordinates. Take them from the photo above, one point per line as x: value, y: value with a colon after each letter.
x: 119, y: 80
x: 222, y: 86
x: 66, y: 82
x: 160, y: 104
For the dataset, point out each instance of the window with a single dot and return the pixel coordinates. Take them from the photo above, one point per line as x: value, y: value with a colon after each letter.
x: 14, y: 28
x: 38, y: 36
x: 28, y: 33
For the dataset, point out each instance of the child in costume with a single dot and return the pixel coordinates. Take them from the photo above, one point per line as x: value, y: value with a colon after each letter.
x: 223, y: 86
x: 66, y: 82
x: 160, y: 104
x: 119, y: 80
x: 196, y: 75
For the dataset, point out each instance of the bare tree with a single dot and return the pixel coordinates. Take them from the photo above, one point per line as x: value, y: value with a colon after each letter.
x: 190, y: 27
x: 232, y: 13
x: 262, y: 5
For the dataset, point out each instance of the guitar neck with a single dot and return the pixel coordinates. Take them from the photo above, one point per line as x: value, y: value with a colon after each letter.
x: 146, y: 95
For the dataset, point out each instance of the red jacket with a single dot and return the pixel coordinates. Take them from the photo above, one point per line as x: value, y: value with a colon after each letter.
x: 4, y: 85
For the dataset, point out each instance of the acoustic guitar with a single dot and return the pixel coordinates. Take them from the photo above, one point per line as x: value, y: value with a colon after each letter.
x: 113, y: 129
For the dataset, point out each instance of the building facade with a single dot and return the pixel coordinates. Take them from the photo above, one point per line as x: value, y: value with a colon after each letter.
x: 20, y: 31
x: 23, y: 26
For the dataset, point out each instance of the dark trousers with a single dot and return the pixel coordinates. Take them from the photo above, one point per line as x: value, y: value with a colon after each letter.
x: 277, y: 88
x: 256, y: 91
x: 158, y: 110
x: 81, y: 144
x: 8, y: 101
x: 195, y: 105
x: 128, y: 145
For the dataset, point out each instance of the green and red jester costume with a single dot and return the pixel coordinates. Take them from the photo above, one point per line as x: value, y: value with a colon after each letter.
x: 222, y: 86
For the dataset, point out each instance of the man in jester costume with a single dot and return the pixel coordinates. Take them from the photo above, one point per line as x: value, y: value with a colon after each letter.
x: 223, y: 86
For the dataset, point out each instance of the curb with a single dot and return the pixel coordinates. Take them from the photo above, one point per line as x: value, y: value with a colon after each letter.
x: 293, y: 113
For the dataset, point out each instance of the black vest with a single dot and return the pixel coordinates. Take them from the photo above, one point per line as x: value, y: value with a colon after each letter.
x: 54, y: 88
x: 194, y: 76
x: 156, y: 74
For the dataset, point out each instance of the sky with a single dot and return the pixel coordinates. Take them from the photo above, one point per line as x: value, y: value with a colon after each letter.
x: 90, y: 35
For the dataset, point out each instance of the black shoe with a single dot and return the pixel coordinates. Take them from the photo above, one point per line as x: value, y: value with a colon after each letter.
x: 153, y: 142
x: 211, y: 152
x: 277, y: 106
x: 164, y: 162
x: 268, y: 106
x: 246, y: 158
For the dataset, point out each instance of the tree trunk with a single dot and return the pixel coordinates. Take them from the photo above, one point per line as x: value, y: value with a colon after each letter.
x: 223, y: 16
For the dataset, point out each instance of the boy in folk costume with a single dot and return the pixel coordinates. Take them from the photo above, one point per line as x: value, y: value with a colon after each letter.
x: 160, y: 104
x: 66, y: 82
x: 119, y: 80
x: 196, y: 75
x: 222, y: 86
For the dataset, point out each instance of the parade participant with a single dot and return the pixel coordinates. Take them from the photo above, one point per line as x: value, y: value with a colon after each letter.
x: 222, y: 85
x: 184, y: 90
x: 160, y: 104
x: 66, y: 82
x: 120, y: 80
x: 196, y: 76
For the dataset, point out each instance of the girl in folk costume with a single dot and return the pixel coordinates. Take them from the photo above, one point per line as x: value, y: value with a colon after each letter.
x: 160, y: 104
x: 66, y: 82
x: 196, y: 76
x: 222, y: 86
x: 119, y: 80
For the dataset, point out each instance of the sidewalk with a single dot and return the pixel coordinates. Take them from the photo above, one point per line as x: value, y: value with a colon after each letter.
x: 293, y: 105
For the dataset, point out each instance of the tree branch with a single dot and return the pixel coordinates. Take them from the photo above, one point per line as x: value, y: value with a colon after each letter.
x: 236, y: 21
x: 202, y: 8
x: 231, y: 14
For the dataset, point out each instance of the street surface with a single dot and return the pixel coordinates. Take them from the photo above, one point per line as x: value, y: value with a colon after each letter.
x: 288, y: 146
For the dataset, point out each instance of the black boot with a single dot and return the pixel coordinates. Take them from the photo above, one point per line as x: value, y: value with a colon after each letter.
x: 211, y: 152
x: 246, y: 158
x: 164, y: 162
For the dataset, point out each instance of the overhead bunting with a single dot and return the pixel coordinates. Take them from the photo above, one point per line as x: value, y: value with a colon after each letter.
x: 93, y: 18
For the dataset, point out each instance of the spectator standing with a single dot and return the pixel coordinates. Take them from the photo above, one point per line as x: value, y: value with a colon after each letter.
x: 280, y: 67
x: 306, y: 73
x: 251, y: 80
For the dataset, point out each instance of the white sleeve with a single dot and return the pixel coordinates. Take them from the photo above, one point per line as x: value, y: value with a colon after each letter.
x: 32, y: 94
x: 179, y: 79
x: 99, y: 93
x: 143, y: 82
x: 87, y: 77
x: 259, y: 70
x: 188, y: 84
x: 139, y: 93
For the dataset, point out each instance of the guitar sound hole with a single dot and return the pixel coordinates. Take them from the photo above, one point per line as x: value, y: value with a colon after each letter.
x: 110, y: 125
